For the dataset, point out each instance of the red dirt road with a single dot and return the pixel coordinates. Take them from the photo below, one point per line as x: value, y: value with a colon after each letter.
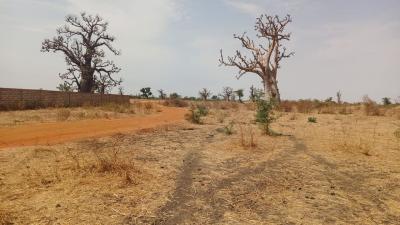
x: 57, y: 132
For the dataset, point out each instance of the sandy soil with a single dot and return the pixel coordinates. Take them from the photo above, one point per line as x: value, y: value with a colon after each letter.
x: 341, y: 170
x: 57, y: 132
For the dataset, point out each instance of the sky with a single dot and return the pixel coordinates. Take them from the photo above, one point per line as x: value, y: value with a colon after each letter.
x: 351, y: 46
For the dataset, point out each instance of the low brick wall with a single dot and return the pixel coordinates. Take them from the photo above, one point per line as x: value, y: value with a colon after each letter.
x: 12, y: 98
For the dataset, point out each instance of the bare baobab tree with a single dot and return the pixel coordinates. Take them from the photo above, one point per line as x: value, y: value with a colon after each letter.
x: 204, y: 93
x: 227, y: 93
x: 265, y: 58
x: 84, y: 40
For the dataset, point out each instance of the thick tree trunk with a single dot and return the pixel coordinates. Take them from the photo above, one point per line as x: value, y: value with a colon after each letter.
x: 87, y: 83
x: 271, y: 89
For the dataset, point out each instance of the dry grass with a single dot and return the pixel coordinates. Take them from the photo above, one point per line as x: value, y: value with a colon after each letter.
x: 247, y: 139
x: 63, y: 114
x: 107, y: 111
x: 333, y: 171
x: 175, y: 102
x: 5, y: 218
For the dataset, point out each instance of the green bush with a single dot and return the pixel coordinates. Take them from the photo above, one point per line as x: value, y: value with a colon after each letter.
x: 312, y: 119
x: 196, y: 112
x: 202, y: 109
x: 193, y: 116
x: 265, y: 115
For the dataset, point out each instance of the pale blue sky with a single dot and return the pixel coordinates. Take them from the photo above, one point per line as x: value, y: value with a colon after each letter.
x: 352, y: 46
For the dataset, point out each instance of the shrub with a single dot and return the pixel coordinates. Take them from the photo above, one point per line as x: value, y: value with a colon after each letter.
x: 228, y: 129
x: 203, y: 110
x: 63, y: 114
x: 312, y: 119
x: 148, y: 106
x: 370, y: 107
x: 196, y: 112
x: 286, y: 106
x: 221, y: 115
x: 175, y: 102
x: 193, y: 116
x: 264, y: 115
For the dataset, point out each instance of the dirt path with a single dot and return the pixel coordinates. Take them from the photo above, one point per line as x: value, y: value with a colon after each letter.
x: 52, y: 133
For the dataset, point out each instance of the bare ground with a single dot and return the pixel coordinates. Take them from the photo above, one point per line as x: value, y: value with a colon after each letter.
x: 342, y: 170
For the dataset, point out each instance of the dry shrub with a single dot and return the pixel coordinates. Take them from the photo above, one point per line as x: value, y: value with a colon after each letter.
x: 347, y: 140
x: 63, y: 114
x: 118, y: 107
x: 329, y: 109
x: 251, y: 106
x: 103, y: 157
x: 148, y: 107
x: 345, y: 110
x: 247, y: 137
x: 286, y: 106
x: 304, y: 106
x: 111, y: 161
x: 228, y: 105
x: 80, y: 115
x: 293, y: 116
x: 371, y: 108
x: 221, y: 116
x: 175, y: 102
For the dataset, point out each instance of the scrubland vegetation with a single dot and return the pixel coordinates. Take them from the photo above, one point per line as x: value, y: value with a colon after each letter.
x: 229, y: 161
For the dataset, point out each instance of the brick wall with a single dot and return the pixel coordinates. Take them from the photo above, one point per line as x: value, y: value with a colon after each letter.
x: 12, y: 98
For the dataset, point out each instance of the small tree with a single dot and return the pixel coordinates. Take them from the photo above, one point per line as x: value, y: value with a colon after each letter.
x: 104, y: 85
x: 264, y: 115
x: 162, y: 94
x: 255, y: 93
x: 146, y: 92
x: 214, y: 97
x: 227, y: 93
x: 174, y: 96
x: 65, y: 87
x: 386, y: 101
x: 240, y: 94
x: 121, y: 90
x: 83, y: 41
x: 204, y: 93
x: 329, y: 100
x: 339, y: 97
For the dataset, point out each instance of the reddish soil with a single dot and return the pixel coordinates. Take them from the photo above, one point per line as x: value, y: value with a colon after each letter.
x: 57, y: 132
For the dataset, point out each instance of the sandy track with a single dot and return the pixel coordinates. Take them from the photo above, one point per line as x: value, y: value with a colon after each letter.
x: 57, y: 132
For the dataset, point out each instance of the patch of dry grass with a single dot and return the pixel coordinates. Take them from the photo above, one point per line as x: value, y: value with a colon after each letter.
x: 345, y: 161
x: 5, y: 218
x: 107, y: 111
x: 63, y: 114
x: 247, y: 137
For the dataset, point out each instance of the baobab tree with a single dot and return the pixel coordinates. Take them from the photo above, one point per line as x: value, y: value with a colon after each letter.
x: 265, y: 57
x: 227, y: 93
x: 84, y: 40
x: 204, y: 93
